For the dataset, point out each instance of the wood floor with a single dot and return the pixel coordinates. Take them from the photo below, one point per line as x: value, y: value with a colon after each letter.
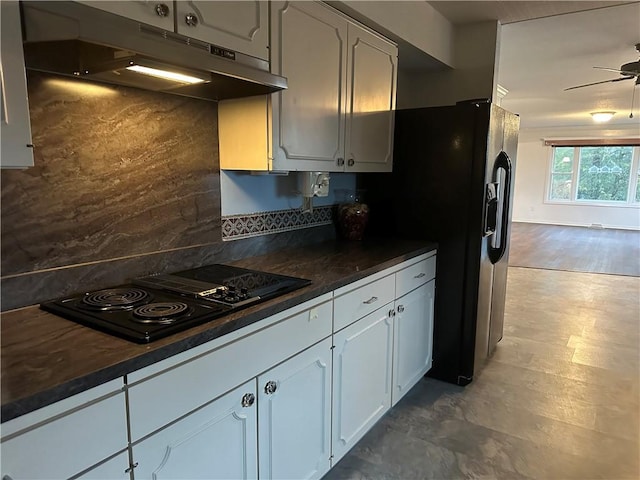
x: 576, y: 249
x: 558, y: 400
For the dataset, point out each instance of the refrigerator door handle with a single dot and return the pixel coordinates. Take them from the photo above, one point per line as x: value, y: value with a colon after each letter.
x: 502, y: 162
x: 491, y: 209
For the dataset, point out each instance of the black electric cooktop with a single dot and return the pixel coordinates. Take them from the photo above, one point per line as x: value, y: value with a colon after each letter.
x: 160, y: 305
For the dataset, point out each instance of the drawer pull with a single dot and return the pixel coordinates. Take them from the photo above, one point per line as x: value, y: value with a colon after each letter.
x: 371, y: 300
x: 420, y: 275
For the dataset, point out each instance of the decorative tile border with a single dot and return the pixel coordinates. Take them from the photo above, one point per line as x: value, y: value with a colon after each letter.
x: 264, y: 223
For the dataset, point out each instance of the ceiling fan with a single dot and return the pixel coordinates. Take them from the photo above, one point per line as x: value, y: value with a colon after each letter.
x: 629, y: 71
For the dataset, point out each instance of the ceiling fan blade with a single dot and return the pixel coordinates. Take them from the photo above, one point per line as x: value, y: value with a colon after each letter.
x: 598, y: 83
x: 621, y: 72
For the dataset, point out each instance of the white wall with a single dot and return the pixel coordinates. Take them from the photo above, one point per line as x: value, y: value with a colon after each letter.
x: 243, y: 193
x: 530, y: 183
x: 476, y: 48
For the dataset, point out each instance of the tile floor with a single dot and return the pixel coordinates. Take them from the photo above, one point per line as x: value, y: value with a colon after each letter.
x: 560, y: 398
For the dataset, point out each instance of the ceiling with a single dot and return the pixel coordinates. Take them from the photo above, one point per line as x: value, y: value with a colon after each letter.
x: 549, y: 46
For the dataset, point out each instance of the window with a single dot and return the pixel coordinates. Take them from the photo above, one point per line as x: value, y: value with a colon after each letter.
x: 594, y: 174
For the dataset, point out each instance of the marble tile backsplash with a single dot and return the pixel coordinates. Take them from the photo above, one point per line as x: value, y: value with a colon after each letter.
x: 125, y: 183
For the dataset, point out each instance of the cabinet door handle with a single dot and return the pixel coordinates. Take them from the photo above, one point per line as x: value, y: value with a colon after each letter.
x: 248, y: 399
x: 371, y: 300
x: 131, y: 467
x: 400, y: 308
x: 420, y: 275
x: 162, y: 10
x: 351, y: 162
x: 340, y: 162
x: 392, y: 313
x: 270, y: 387
x: 191, y: 19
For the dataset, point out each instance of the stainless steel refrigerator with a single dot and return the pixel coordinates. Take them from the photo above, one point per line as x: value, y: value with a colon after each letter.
x: 452, y: 182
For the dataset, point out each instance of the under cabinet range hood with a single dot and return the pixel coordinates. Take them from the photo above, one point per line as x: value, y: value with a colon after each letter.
x: 72, y: 39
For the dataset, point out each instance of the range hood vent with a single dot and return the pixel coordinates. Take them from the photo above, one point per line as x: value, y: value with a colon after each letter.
x: 72, y: 39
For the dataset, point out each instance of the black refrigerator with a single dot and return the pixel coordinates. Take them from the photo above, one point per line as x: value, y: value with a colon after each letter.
x: 452, y: 182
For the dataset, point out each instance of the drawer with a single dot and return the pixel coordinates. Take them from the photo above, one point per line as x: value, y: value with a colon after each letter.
x: 184, y: 387
x: 415, y: 275
x: 69, y: 444
x: 357, y: 303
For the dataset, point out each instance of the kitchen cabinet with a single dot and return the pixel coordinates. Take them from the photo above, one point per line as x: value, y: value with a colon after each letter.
x: 294, y: 411
x: 69, y: 437
x: 361, y: 378
x: 412, y: 339
x: 371, y: 88
x: 239, y: 26
x: 413, y: 325
x: 290, y: 353
x: 336, y: 114
x: 15, y: 128
x: 218, y: 441
x: 112, y: 469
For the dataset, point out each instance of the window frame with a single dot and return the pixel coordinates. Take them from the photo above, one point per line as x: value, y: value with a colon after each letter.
x: 634, y: 174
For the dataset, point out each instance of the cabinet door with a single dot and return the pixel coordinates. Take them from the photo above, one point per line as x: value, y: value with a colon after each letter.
x: 218, y: 441
x: 294, y: 402
x: 372, y: 73
x: 156, y: 13
x: 361, y: 378
x: 239, y: 26
x: 17, y: 151
x: 413, y: 339
x: 309, y: 48
x: 115, y: 469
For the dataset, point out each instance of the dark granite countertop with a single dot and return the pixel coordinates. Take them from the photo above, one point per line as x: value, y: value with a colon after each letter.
x: 46, y: 358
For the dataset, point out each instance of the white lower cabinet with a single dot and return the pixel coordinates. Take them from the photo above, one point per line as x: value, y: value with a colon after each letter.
x: 68, y: 437
x: 294, y: 410
x: 218, y: 441
x: 113, y: 469
x: 361, y: 377
x: 412, y: 339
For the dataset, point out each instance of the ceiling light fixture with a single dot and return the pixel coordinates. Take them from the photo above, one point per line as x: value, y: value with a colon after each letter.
x: 602, y: 117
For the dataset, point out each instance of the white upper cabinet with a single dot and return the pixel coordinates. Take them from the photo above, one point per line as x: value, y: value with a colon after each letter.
x: 336, y: 114
x: 372, y: 72
x: 309, y: 46
x: 239, y: 26
x: 15, y: 129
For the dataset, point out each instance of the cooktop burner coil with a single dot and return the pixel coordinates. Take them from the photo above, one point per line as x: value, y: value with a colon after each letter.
x: 115, y: 298
x: 161, y: 312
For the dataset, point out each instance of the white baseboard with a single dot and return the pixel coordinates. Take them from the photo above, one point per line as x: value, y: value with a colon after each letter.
x: 598, y: 226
